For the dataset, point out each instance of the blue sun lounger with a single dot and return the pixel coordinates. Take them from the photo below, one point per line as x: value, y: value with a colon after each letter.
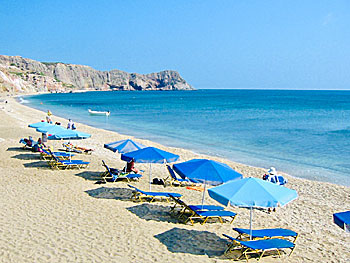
x: 139, y: 195
x: 47, y: 155
x: 116, y: 174
x: 67, y: 164
x: 259, y: 247
x: 191, y: 208
x: 205, y: 215
x: 173, y: 180
x: 342, y: 219
x: 244, y: 233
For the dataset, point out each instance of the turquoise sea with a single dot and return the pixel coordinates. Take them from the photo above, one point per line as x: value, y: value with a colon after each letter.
x: 303, y: 133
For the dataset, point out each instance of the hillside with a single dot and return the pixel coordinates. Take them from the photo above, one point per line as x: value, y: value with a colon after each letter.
x: 22, y: 75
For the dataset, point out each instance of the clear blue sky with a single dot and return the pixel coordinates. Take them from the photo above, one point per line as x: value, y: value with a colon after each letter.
x: 213, y: 44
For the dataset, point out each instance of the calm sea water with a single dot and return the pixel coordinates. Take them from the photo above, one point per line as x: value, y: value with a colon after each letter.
x: 304, y: 133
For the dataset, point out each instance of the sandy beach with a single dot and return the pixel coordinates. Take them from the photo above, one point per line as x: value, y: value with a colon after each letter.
x: 64, y: 216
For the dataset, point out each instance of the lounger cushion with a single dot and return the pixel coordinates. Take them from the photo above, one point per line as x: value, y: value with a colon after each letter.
x: 274, y: 232
x: 265, y: 244
x: 342, y: 219
x: 161, y: 194
x: 205, y: 207
x: 219, y: 213
x: 274, y: 243
x: 67, y: 162
x: 156, y: 193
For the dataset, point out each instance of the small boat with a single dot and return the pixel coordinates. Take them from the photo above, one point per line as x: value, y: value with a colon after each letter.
x: 94, y: 112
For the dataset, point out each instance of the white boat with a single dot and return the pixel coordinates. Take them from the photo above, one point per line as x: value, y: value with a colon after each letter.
x: 94, y: 112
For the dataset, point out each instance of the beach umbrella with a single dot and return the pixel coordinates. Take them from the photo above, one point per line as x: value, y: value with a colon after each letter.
x: 150, y: 155
x: 66, y: 134
x: 207, y: 172
x: 50, y: 129
x: 40, y: 124
x: 252, y: 193
x: 124, y: 146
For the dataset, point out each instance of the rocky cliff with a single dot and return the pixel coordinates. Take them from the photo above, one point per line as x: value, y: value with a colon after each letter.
x: 23, y: 75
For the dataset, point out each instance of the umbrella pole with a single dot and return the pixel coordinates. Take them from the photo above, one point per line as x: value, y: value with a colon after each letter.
x: 70, y: 153
x: 205, y: 188
x: 150, y: 176
x: 251, y: 220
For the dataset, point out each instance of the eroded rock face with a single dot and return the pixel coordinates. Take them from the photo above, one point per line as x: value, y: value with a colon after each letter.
x: 19, y: 74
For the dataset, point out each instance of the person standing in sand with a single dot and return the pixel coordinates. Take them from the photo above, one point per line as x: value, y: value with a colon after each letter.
x: 70, y: 125
x: 48, y: 117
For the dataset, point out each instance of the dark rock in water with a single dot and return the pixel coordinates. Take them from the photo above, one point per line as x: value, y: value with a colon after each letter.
x: 19, y: 74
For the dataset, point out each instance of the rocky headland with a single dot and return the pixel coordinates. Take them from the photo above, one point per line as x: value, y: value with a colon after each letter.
x: 23, y: 75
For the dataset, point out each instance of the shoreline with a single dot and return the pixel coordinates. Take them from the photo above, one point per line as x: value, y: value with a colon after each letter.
x: 61, y: 206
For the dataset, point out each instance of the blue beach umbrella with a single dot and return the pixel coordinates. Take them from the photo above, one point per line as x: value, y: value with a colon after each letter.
x: 150, y: 155
x: 50, y: 129
x: 40, y: 124
x: 252, y: 193
x: 124, y: 146
x: 207, y: 172
x: 66, y: 134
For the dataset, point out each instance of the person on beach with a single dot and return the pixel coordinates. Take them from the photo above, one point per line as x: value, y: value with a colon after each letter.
x: 48, y: 117
x: 38, y: 146
x: 29, y: 142
x: 71, y: 125
x: 130, y: 167
x: 273, y: 177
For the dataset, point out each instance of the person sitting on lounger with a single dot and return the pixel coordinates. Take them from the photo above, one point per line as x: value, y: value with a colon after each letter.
x: 38, y: 146
x: 273, y: 177
x: 29, y: 142
x: 130, y: 167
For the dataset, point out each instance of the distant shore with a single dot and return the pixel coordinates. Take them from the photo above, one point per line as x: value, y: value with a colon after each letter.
x: 65, y: 216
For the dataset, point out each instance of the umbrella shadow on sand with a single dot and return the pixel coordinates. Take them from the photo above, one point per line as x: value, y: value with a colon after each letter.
x: 179, y: 240
x: 122, y: 194
x: 26, y: 156
x: 159, y: 213
x: 89, y: 175
x: 38, y: 164
x: 18, y: 149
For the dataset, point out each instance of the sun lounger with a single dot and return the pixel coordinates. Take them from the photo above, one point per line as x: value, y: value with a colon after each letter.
x: 244, y: 233
x: 342, y: 219
x: 203, y: 213
x: 184, y: 208
x: 173, y: 180
x: 115, y: 174
x: 139, y: 195
x: 67, y: 164
x: 47, y: 154
x: 112, y: 170
x: 259, y: 247
x: 71, y: 148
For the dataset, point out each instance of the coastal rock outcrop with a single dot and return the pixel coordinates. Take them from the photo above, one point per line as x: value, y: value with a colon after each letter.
x: 18, y: 74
